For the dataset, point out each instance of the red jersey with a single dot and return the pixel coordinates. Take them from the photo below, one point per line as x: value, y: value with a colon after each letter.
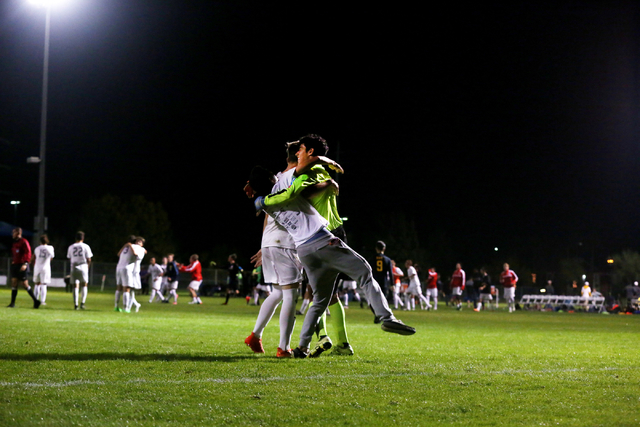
x: 458, y: 279
x: 20, y: 251
x: 508, y: 279
x: 432, y: 281
x: 195, y: 268
x: 397, y: 274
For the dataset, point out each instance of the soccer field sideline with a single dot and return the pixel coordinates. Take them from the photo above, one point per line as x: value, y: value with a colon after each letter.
x: 97, y: 367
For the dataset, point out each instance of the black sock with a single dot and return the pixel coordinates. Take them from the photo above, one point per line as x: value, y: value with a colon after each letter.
x: 14, y: 294
x: 31, y: 294
x: 227, y: 300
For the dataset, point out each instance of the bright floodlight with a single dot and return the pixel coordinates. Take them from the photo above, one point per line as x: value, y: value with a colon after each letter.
x: 48, y: 3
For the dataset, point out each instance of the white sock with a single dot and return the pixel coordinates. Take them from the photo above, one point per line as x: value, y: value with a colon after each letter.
x: 43, y: 293
x: 435, y: 303
x: 199, y: 300
x: 118, y: 297
x: 345, y: 297
x: 173, y: 294
x: 153, y: 294
x: 125, y: 300
x: 287, y: 318
x: 85, y: 289
x: 256, y: 297
x: 267, y: 309
x: 133, y: 298
x: 75, y: 296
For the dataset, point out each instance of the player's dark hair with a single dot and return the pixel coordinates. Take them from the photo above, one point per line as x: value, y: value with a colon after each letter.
x: 233, y: 257
x: 261, y: 181
x: 80, y: 235
x: 44, y: 239
x: 140, y: 239
x: 195, y: 257
x: 292, y: 149
x: 132, y: 238
x: 318, y: 143
x: 381, y: 246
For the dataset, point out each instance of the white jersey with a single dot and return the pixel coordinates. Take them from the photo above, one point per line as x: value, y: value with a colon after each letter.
x: 296, y: 215
x: 164, y: 278
x: 414, y: 281
x: 155, y: 271
x: 127, y: 259
x: 79, y: 253
x: 139, y: 254
x: 43, y: 254
x: 274, y: 234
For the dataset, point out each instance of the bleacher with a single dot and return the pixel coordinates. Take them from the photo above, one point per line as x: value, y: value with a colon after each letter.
x: 554, y: 301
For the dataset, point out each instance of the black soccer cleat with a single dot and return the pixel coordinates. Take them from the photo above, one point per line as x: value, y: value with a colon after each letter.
x: 299, y: 354
x: 36, y: 303
x: 397, y: 327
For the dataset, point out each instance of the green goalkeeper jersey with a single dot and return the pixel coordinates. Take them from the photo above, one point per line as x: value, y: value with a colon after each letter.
x: 324, y: 202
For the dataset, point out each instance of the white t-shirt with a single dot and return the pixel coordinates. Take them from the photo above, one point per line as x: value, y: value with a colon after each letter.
x: 79, y: 253
x: 297, y: 215
x: 43, y: 254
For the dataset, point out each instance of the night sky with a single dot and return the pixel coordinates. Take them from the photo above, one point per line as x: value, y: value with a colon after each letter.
x: 511, y: 126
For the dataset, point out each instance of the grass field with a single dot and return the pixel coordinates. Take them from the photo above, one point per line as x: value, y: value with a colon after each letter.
x: 188, y: 365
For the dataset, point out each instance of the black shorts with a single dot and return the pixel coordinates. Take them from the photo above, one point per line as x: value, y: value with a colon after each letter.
x: 21, y: 276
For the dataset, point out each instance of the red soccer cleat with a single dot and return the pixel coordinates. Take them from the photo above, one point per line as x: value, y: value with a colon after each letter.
x: 283, y: 353
x: 254, y: 343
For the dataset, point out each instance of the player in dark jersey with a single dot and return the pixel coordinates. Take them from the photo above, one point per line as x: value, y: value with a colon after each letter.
x: 382, y: 269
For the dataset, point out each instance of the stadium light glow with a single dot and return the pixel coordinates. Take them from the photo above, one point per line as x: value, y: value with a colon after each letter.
x: 48, y: 3
x: 610, y: 261
x: 495, y: 249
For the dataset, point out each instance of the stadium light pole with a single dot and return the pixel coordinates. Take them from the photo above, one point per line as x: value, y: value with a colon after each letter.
x: 43, y: 117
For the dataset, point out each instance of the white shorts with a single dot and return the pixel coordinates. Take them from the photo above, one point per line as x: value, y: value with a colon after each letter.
x: 173, y: 284
x: 486, y: 297
x: 156, y: 284
x: 264, y: 288
x: 509, y: 293
x: 414, y: 290
x: 124, y: 278
x: 79, y: 273
x: 195, y: 284
x: 281, y: 266
x: 42, y: 276
x: 432, y: 292
x: 456, y: 291
x: 349, y: 285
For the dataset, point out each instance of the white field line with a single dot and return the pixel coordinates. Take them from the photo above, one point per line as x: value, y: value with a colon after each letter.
x: 297, y: 377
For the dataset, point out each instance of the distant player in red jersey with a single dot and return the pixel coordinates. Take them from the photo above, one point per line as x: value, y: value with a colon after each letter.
x: 458, y: 280
x: 508, y: 278
x: 20, y: 258
x: 432, y: 287
x: 195, y: 268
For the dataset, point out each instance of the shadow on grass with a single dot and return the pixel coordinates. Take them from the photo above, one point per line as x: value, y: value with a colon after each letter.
x: 124, y: 356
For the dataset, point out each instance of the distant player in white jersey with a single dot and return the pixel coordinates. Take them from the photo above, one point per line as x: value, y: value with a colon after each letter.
x: 155, y: 272
x: 124, y: 270
x: 415, y: 289
x: 139, y: 252
x: 80, y: 255
x: 42, y: 256
x: 164, y: 288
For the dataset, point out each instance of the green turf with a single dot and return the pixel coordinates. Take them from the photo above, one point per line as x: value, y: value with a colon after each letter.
x: 188, y: 365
